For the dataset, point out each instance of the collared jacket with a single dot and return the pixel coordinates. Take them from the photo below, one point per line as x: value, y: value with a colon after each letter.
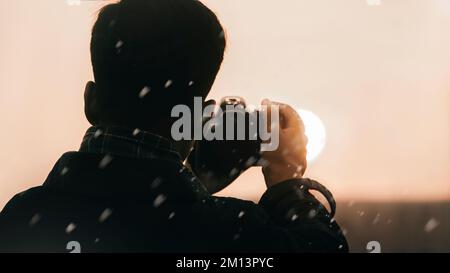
x: 128, y: 191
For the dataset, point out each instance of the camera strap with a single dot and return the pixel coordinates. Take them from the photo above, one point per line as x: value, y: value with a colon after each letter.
x: 309, y: 184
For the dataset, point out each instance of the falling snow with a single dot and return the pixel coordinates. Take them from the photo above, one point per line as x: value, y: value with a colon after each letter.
x: 156, y: 183
x: 251, y: 161
x: 144, y: 92
x: 136, y: 132
x: 431, y: 225
x: 191, y: 83
x: 35, y: 219
x: 64, y: 171
x: 376, y: 219
x: 97, y: 133
x: 171, y: 215
x: 168, y: 84
x: 241, y: 214
x: 312, y: 213
x: 233, y: 172
x: 119, y: 44
x: 105, y: 161
x: 70, y: 227
x: 104, y: 215
x: 159, y: 200
x: 294, y: 217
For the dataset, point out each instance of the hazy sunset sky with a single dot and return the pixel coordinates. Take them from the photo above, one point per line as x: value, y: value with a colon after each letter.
x: 377, y: 76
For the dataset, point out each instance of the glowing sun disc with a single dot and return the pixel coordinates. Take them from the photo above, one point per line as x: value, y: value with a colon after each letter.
x: 315, y: 131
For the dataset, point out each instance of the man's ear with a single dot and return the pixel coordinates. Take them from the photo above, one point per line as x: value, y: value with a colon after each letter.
x: 90, y: 103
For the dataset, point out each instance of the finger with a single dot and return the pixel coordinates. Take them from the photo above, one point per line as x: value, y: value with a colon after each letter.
x: 289, y: 118
x: 206, y: 104
x: 268, y: 109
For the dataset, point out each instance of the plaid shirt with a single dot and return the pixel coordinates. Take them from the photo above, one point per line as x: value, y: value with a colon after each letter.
x: 135, y: 143
x: 118, y: 141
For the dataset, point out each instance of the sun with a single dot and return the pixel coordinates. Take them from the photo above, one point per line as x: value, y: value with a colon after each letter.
x: 315, y: 131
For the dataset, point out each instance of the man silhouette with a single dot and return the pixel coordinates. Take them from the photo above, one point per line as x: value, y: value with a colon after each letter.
x: 127, y: 189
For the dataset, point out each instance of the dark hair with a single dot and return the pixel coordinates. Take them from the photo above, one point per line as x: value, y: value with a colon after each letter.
x: 149, y: 55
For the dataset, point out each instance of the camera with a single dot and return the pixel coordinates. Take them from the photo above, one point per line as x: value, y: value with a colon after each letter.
x: 218, y: 162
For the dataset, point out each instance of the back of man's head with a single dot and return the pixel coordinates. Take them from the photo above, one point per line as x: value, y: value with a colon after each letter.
x: 149, y: 55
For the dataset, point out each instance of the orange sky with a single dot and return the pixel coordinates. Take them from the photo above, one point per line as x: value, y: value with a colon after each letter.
x: 377, y: 76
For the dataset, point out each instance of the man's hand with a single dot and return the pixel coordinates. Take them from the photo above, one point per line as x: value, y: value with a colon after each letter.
x: 289, y: 160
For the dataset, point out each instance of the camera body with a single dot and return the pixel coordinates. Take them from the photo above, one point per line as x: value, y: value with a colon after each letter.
x: 219, y: 162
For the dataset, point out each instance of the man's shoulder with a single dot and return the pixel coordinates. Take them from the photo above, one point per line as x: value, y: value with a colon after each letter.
x: 25, y: 199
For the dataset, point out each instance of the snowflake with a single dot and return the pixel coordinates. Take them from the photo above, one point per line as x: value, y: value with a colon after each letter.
x: 105, y: 161
x: 70, y: 227
x: 159, y: 200
x: 312, y: 213
x: 119, y: 44
x: 294, y: 217
x: 431, y: 225
x: 241, y: 214
x: 105, y: 215
x: 168, y: 84
x: 252, y: 160
x: 171, y: 215
x: 144, y: 92
x: 136, y: 132
x: 97, y: 133
x: 233, y: 172
x: 156, y: 183
x: 376, y: 219
x: 64, y: 171
x: 35, y: 219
